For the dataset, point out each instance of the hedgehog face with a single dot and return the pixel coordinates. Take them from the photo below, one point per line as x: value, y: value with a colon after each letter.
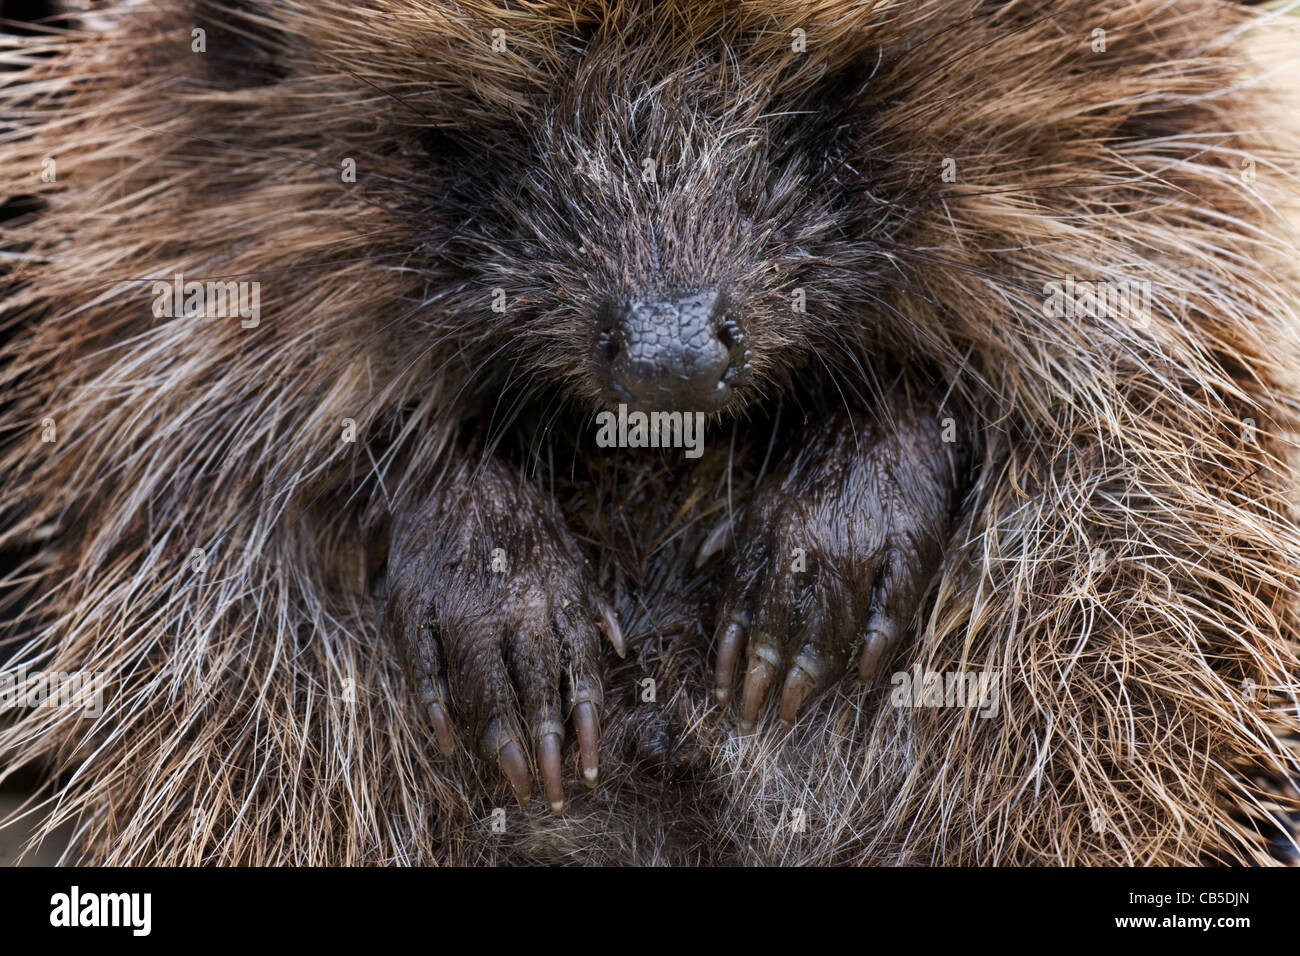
x: 660, y: 232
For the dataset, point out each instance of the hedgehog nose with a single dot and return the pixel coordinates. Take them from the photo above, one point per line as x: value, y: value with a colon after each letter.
x: 670, y: 354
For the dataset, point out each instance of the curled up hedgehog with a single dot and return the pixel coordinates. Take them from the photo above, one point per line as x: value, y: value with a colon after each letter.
x: 639, y: 431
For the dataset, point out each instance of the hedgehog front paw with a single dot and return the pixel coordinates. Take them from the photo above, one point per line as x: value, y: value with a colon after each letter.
x: 839, y: 544
x: 493, y: 609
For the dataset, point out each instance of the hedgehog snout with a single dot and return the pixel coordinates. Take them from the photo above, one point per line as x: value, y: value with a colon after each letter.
x: 671, y: 353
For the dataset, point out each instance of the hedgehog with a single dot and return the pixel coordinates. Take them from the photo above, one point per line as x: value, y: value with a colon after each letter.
x: 652, y: 431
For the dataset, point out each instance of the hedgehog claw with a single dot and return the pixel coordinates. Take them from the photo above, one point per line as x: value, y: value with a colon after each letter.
x: 515, y: 768
x: 729, y: 645
x: 548, y: 758
x: 715, y: 543
x: 802, y: 681
x: 441, y: 727
x: 433, y: 693
x: 585, y: 720
x: 881, y: 637
x: 612, y: 630
x: 763, y: 663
